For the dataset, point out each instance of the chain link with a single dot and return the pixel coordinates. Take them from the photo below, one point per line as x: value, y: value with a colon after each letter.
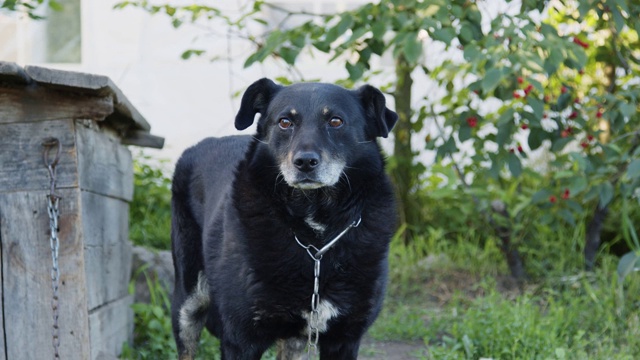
x: 314, y: 315
x: 53, y: 201
x: 314, y: 326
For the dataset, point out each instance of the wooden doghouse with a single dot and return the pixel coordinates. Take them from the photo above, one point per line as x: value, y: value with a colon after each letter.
x: 92, y: 120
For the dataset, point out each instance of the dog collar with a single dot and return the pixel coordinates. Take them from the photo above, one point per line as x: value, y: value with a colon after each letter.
x: 319, y: 252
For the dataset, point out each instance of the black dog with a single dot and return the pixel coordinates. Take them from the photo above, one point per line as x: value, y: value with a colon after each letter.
x: 244, y: 208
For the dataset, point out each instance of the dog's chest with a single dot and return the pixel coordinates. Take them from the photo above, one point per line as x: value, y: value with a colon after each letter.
x: 326, y: 311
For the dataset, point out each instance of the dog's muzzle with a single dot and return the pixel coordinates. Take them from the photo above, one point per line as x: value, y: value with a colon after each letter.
x: 311, y: 170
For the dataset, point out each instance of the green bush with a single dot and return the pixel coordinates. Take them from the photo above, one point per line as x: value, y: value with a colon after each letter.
x: 153, y: 338
x: 150, y: 210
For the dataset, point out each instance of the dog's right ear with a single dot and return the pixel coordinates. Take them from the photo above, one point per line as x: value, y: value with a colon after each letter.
x: 255, y: 100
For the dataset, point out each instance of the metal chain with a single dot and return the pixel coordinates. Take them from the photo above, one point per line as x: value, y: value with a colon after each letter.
x: 314, y: 331
x: 53, y: 201
x: 316, y: 255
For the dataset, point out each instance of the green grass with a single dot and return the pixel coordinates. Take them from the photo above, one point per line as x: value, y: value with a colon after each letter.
x: 463, y: 306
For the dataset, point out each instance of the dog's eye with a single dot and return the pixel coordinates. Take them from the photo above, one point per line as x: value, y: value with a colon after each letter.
x: 336, y: 122
x: 285, y: 123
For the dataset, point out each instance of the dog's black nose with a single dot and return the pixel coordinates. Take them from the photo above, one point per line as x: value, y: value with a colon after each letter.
x: 306, y: 160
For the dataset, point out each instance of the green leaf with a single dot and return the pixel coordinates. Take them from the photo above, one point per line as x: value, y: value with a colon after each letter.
x: 506, y: 117
x: 577, y: 185
x: 355, y: 71
x: 289, y: 54
x: 560, y: 143
x: 378, y: 29
x: 466, y: 33
x: 464, y: 133
x: 605, y: 194
x: 192, y: 52
x: 567, y: 216
x: 412, y: 48
x: 514, y: 165
x: 536, y: 105
x: 633, y: 170
x: 536, y: 136
x: 504, y: 133
x: 626, y: 109
x: 629, y: 262
x: 448, y: 147
x: 491, y: 79
x: 541, y: 196
x: 445, y: 35
x: 55, y: 6
x: 471, y: 53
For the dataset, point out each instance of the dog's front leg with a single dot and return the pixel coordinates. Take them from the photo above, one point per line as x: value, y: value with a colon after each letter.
x: 233, y: 351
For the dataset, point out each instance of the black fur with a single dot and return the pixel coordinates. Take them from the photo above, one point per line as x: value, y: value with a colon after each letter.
x: 235, y: 213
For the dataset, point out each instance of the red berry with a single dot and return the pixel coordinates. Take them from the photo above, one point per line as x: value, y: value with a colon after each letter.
x: 516, y: 95
x: 584, y: 145
x: 520, y: 149
x: 573, y: 115
x: 564, y: 133
x: 553, y: 199
x: 581, y: 71
x: 563, y: 89
x: 566, y: 194
x: 524, y: 126
x: 547, y: 98
x: 520, y: 80
x: 599, y: 113
x: 544, y: 116
x: 528, y: 89
x: 472, y: 121
x: 590, y: 137
x: 577, y: 101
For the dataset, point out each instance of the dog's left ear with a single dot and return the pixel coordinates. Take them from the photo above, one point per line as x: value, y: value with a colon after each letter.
x: 376, y: 110
x: 255, y: 100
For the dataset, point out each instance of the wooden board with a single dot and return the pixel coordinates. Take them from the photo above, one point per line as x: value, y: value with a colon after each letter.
x: 143, y: 139
x: 12, y: 72
x: 2, y: 330
x: 104, y: 165
x: 111, y: 326
x: 29, y: 104
x: 21, y: 155
x: 90, y: 84
x: 107, y: 251
x: 26, y: 269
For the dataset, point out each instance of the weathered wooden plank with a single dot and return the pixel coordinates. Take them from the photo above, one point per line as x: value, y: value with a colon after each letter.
x: 33, y: 103
x: 144, y: 139
x: 104, y: 165
x: 105, y: 225
x: 2, y: 330
x: 69, y: 79
x: 12, y: 72
x: 26, y: 269
x: 91, y: 84
x: 21, y: 155
x: 109, y: 327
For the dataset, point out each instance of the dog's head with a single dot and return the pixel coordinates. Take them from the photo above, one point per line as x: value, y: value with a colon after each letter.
x: 315, y: 130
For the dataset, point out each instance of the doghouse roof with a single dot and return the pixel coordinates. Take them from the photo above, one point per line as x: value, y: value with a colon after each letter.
x: 124, y: 117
